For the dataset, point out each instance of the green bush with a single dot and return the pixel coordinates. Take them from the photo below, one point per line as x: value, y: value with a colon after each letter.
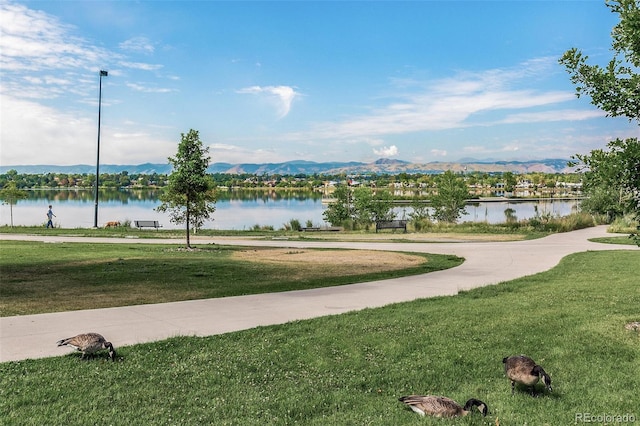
x: 258, y: 227
x: 421, y: 224
x: 624, y: 224
x: 293, y: 225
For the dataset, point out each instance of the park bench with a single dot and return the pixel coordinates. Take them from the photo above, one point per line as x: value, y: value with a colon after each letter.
x: 147, y: 224
x: 391, y: 224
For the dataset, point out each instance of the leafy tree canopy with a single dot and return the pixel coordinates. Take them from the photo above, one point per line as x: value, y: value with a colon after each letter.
x: 189, y: 197
x: 370, y: 206
x: 339, y: 210
x: 612, y: 178
x: 614, y: 88
x: 10, y: 194
x: 362, y: 204
x: 450, y: 201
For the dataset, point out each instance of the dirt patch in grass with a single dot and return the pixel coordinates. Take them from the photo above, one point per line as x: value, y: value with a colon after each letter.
x: 336, y: 262
x: 77, y: 276
x: 633, y: 326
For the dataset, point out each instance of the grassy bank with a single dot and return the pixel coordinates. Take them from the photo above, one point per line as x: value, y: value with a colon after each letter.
x: 512, y: 230
x: 624, y: 240
x: 39, y: 277
x: 461, y: 230
x: 350, y: 369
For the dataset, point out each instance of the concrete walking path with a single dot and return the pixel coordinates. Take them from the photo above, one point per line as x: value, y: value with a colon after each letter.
x: 34, y: 336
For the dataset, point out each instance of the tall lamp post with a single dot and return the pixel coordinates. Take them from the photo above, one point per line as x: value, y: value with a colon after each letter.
x: 95, y: 219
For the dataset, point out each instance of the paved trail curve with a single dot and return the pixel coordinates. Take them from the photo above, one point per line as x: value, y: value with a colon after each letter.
x: 23, y: 337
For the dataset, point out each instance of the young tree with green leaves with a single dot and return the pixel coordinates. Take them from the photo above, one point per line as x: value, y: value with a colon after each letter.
x: 370, y: 206
x: 190, y: 195
x: 612, y: 179
x: 339, y: 210
x: 10, y: 194
x: 419, y: 212
x: 450, y: 201
x: 361, y: 204
x: 510, y: 181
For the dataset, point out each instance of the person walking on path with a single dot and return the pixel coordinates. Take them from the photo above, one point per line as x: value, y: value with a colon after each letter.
x: 50, y: 217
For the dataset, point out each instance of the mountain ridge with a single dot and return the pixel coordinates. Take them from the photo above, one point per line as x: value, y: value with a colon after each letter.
x: 383, y: 165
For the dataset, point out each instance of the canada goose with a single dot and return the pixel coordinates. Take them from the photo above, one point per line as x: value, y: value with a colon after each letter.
x: 89, y: 343
x: 522, y: 369
x: 440, y: 406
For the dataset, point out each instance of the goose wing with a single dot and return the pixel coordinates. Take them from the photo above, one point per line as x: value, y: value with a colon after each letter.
x: 520, y: 369
x: 439, y: 406
x: 86, y: 342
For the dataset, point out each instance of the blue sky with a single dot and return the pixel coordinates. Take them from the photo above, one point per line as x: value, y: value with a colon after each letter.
x: 274, y: 81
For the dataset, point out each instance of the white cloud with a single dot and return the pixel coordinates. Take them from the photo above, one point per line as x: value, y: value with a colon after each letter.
x: 283, y: 96
x: 141, y: 66
x: 60, y: 138
x: 555, y: 115
x: 234, y: 154
x: 48, y: 101
x: 390, y: 151
x: 43, y: 135
x: 42, y: 59
x: 454, y: 103
x: 138, y: 44
x: 49, y: 95
x: 438, y: 111
x: 33, y: 41
x: 135, y: 147
x: 511, y: 148
x: 146, y: 89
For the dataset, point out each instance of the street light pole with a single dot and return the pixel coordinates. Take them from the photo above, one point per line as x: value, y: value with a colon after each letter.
x: 95, y: 219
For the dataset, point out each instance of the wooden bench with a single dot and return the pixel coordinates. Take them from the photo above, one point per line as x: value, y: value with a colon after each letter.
x: 147, y: 224
x: 391, y: 224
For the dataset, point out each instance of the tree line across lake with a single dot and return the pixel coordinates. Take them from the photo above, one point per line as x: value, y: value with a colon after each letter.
x: 507, y: 181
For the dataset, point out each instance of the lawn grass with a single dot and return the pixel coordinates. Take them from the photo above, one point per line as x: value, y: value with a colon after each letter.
x: 350, y: 369
x: 625, y: 240
x: 462, y: 231
x: 522, y: 230
x: 43, y: 277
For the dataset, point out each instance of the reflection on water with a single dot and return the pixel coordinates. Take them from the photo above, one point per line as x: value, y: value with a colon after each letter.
x: 133, y: 195
x: 235, y: 209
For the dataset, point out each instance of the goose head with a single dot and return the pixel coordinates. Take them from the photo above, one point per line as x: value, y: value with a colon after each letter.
x: 476, y: 403
x: 112, y: 351
x: 539, y: 371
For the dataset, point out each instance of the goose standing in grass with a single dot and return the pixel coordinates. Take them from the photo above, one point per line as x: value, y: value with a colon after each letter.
x: 522, y: 369
x: 440, y: 406
x: 88, y: 343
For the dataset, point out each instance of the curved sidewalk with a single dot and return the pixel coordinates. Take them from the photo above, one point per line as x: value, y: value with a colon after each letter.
x: 34, y: 336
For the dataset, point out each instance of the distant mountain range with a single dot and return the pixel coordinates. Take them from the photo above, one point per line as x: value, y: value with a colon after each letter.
x: 388, y: 166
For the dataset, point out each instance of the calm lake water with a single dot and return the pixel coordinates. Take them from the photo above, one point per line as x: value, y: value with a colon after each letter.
x: 237, y: 210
